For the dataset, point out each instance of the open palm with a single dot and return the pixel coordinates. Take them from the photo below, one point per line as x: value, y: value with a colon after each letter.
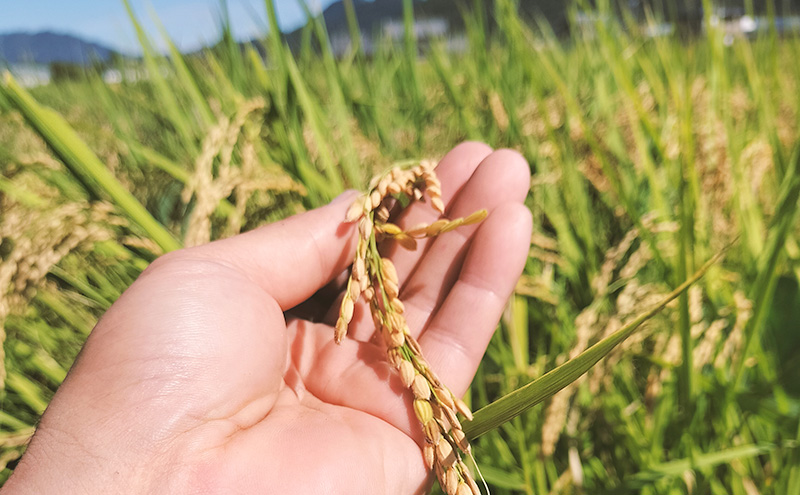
x: 198, y: 381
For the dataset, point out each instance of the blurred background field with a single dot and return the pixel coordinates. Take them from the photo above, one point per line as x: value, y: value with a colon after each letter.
x: 657, y: 135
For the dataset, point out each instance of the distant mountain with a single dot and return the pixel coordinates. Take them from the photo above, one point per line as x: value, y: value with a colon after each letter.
x: 48, y: 47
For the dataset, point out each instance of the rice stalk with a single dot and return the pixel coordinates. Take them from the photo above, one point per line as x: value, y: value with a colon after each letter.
x: 375, y: 279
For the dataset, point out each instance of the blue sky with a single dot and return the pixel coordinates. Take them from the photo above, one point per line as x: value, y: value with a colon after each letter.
x: 190, y: 23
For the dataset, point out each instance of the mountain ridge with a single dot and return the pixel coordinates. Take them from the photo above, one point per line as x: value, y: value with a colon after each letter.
x: 47, y: 47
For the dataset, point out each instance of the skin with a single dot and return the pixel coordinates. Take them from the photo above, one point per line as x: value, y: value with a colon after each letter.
x: 197, y: 380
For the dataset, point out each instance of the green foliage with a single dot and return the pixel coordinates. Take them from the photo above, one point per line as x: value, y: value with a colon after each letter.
x: 649, y: 156
x: 63, y: 71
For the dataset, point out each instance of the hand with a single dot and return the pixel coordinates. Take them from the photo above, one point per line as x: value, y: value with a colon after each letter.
x: 197, y: 381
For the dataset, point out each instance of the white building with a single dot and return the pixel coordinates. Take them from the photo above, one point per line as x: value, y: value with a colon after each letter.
x: 30, y: 75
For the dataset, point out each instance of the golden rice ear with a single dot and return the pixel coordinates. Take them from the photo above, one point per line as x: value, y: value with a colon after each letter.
x: 391, y: 229
x: 416, y: 349
x: 438, y: 204
x: 452, y: 418
x: 421, y: 388
x: 391, y: 289
x: 376, y: 279
x: 396, y: 322
x: 445, y: 397
x: 395, y: 357
x: 461, y: 440
x: 436, y: 227
x: 359, y: 268
x: 347, y: 309
x: 407, y: 374
x: 418, y: 230
x: 367, y: 207
x: 368, y: 294
x: 444, y: 453
x: 375, y: 199
x: 397, y: 306
x: 463, y: 489
x: 382, y: 185
x: 472, y: 485
x: 340, y: 331
x: 475, y: 217
x: 354, y: 291
x: 423, y: 410
x: 397, y: 339
x: 429, y: 455
x: 355, y: 211
x: 406, y: 241
x: 382, y: 214
x: 451, y: 482
x: 454, y: 224
x: 389, y: 270
x: 463, y: 408
x: 432, y: 434
x: 365, y: 227
x: 394, y: 188
x: 427, y: 164
x: 433, y: 190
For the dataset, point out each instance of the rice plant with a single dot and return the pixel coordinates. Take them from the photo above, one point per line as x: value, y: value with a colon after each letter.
x: 650, y: 155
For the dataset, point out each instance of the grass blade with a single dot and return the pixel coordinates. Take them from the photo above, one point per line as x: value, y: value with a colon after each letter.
x: 165, y: 94
x: 702, y: 461
x: 522, y: 399
x: 84, y: 164
x: 764, y: 286
x: 317, y: 124
x: 352, y: 27
x: 185, y: 78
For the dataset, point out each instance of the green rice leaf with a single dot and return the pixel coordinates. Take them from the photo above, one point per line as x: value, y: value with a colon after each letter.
x: 512, y: 405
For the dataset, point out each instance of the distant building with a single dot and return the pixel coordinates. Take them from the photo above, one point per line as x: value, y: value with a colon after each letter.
x: 127, y: 74
x: 736, y: 24
x: 423, y: 29
x: 426, y: 30
x: 31, y: 75
x: 132, y: 72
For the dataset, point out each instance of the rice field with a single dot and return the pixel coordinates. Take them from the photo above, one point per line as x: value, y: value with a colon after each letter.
x: 649, y: 157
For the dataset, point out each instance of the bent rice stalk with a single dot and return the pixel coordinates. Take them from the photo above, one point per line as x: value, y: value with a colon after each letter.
x: 375, y: 279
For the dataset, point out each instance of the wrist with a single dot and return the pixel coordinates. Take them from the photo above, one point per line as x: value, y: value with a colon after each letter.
x: 56, y: 462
